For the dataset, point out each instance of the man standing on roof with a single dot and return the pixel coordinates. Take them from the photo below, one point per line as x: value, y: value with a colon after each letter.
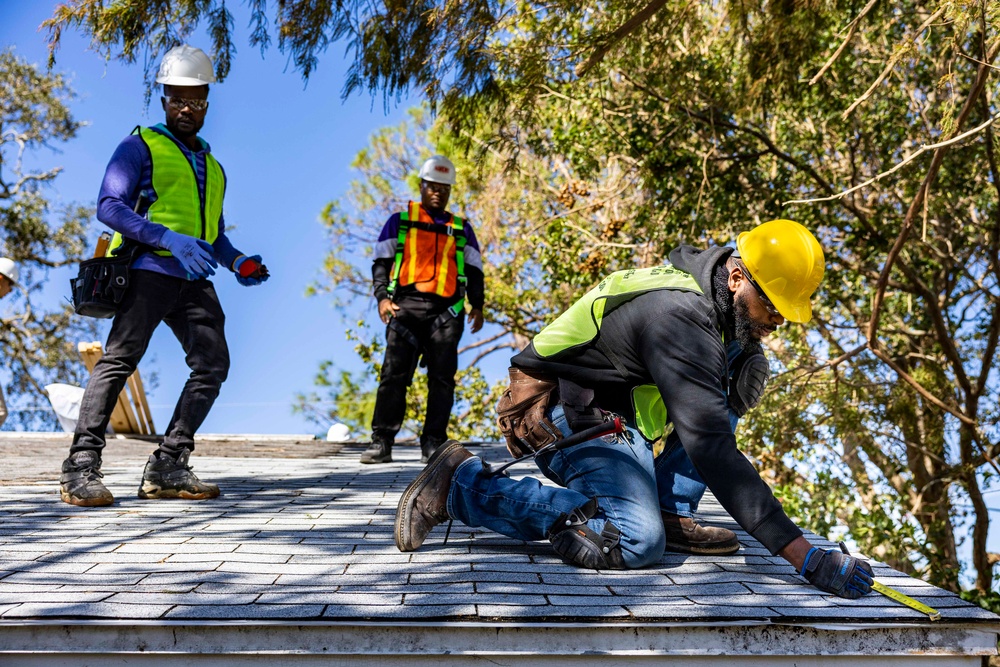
x: 8, y: 278
x: 163, y: 188
x: 427, y: 263
x: 651, y: 345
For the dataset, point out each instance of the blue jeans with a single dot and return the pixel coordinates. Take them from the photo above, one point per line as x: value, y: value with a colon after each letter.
x: 631, y: 488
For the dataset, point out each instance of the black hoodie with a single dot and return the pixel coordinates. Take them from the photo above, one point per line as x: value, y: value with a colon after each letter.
x: 674, y: 339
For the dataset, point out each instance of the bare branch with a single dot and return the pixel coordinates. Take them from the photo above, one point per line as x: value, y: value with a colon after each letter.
x: 923, y: 149
x: 852, y: 28
x: 910, y: 380
x: 611, y: 40
x: 892, y: 62
x: 915, y: 205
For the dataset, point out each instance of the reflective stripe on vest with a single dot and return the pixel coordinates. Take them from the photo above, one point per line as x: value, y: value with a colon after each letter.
x: 179, y: 204
x: 430, y: 256
x: 581, y: 324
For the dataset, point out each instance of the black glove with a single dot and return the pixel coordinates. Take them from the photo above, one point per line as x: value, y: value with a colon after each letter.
x: 837, y: 573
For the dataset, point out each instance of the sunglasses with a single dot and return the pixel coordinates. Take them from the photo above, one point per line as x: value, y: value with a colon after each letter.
x: 434, y: 186
x: 179, y: 103
x: 764, y: 300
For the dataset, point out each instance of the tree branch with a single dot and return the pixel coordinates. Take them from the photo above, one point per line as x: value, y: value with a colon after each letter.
x: 892, y: 63
x: 611, y: 40
x: 852, y: 28
x: 977, y: 89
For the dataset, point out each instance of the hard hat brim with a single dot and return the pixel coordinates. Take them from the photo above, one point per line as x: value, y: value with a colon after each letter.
x: 182, y: 81
x: 443, y: 181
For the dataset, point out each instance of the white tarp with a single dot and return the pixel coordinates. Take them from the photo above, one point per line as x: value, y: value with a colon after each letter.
x: 65, y: 400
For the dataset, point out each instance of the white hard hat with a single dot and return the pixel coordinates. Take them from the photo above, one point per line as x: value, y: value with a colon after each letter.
x: 438, y: 169
x: 8, y: 268
x: 338, y: 433
x: 185, y: 66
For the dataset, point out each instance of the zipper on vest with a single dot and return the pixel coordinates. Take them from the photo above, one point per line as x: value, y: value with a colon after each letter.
x: 202, y: 196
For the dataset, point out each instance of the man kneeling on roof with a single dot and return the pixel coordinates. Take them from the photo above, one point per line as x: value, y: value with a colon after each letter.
x: 650, y: 345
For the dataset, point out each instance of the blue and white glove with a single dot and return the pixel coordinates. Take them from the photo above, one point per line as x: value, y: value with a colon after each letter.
x: 837, y: 573
x: 250, y: 271
x: 195, y: 255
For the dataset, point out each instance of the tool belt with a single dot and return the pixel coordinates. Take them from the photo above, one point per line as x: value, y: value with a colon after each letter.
x: 102, y: 282
x: 521, y: 411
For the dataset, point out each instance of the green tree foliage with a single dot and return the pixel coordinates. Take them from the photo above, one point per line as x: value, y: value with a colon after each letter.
x: 38, y: 343
x: 604, y: 135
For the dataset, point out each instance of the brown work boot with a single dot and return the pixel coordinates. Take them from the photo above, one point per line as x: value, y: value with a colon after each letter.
x: 423, y: 504
x: 686, y: 536
x: 80, y: 482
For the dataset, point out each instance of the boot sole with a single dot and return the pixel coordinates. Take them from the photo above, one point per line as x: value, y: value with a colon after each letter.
x: 367, y: 461
x: 404, y: 510
x: 725, y: 549
x: 85, y: 502
x: 156, y: 493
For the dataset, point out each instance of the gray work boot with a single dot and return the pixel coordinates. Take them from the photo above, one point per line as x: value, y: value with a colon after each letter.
x: 380, y: 451
x: 686, y: 536
x: 80, y: 482
x: 423, y: 504
x: 428, y: 447
x: 168, y: 477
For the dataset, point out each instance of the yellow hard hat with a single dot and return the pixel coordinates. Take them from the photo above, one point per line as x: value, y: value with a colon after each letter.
x: 786, y: 260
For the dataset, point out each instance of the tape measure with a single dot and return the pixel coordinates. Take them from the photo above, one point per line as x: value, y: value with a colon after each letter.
x: 893, y: 594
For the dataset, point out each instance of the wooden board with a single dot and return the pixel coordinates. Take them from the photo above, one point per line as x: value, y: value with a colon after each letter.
x: 123, y: 417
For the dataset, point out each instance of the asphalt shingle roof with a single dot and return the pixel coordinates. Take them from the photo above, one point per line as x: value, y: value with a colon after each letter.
x: 310, y: 539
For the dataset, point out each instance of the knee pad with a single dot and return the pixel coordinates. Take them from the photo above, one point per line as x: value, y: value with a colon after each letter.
x: 578, y: 545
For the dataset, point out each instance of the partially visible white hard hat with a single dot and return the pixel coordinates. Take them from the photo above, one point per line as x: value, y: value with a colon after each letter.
x: 338, y: 433
x: 185, y: 66
x: 438, y: 169
x: 9, y: 268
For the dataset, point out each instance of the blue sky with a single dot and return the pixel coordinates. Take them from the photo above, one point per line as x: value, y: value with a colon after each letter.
x: 286, y: 148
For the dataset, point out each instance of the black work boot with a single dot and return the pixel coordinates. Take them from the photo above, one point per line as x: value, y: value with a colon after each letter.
x: 428, y: 447
x: 80, y: 482
x: 169, y: 477
x: 380, y: 451
x: 423, y: 503
x: 686, y: 536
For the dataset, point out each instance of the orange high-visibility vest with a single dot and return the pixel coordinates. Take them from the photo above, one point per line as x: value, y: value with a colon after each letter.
x: 429, y: 255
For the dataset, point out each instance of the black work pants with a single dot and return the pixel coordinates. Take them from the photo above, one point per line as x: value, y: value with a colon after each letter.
x: 436, y: 337
x: 192, y: 311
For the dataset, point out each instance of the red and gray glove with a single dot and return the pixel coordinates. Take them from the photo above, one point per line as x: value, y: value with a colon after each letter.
x: 250, y: 271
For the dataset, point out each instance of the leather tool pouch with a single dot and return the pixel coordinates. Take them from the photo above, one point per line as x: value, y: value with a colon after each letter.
x: 100, y: 286
x: 521, y: 412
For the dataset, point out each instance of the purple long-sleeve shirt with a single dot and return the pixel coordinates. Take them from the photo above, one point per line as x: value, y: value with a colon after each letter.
x: 130, y: 172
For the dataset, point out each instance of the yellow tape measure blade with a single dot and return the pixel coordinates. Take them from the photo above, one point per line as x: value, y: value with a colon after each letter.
x: 893, y: 594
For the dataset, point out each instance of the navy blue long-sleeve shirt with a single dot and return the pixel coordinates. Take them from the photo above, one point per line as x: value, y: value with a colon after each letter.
x: 130, y: 172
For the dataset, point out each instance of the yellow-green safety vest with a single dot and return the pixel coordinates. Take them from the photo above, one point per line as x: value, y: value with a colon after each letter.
x: 179, y: 205
x: 581, y: 325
